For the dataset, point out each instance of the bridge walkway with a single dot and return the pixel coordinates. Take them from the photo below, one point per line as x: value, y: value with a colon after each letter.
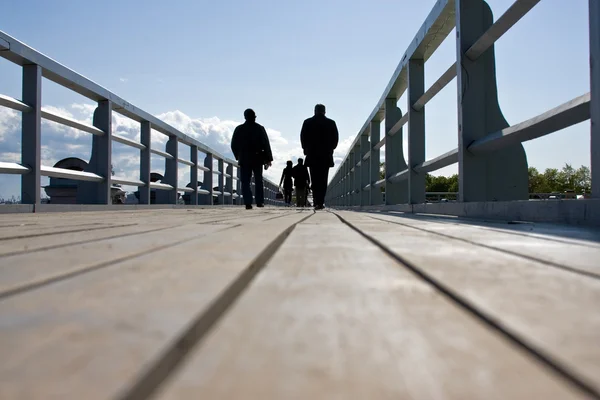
x: 273, y: 303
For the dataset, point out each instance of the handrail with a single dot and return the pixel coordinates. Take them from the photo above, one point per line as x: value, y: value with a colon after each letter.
x: 36, y: 65
x: 404, y: 181
x: 21, y: 54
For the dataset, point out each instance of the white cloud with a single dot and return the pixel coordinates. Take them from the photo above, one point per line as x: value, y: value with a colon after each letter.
x: 10, y: 121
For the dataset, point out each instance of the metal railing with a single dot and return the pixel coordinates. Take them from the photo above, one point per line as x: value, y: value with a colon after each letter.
x: 491, y: 159
x: 96, y: 181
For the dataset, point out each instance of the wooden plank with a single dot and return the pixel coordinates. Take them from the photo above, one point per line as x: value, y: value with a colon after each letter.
x: 336, y: 318
x: 551, y: 310
x: 67, y: 222
x: 46, y: 242
x: 35, y: 230
x: 88, y: 338
x: 575, y: 255
x: 28, y: 271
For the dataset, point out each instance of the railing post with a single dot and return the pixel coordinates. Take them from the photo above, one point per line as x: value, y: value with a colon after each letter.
x: 501, y: 175
x: 171, y: 171
x: 207, y: 183
x: 348, y: 181
x: 357, y: 177
x: 416, y: 131
x: 229, y: 183
x: 194, y: 174
x: 31, y: 127
x: 100, y: 160
x: 395, y: 192
x: 221, y: 183
x: 343, y: 184
x: 340, y: 188
x: 145, y: 161
x: 351, y: 178
x: 375, y: 197
x: 365, y: 171
x: 331, y: 196
x: 594, y: 15
x: 238, y: 185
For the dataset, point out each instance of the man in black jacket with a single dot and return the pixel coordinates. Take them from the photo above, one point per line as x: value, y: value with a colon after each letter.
x: 319, y: 138
x: 250, y: 146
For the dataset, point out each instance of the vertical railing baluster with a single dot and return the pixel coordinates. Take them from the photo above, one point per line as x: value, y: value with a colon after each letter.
x: 594, y: 17
x: 229, y: 183
x: 100, y: 160
x: 375, y: 193
x: 395, y: 192
x: 357, y: 188
x: 145, y: 161
x: 221, y: 183
x: 351, y: 184
x: 347, y: 180
x: 194, y: 174
x: 503, y: 174
x: 416, y: 131
x: 238, y: 185
x: 31, y: 127
x: 340, y: 192
x: 365, y: 170
x: 208, y: 177
x: 171, y: 169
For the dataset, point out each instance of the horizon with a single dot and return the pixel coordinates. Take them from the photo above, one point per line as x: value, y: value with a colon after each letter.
x: 239, y: 76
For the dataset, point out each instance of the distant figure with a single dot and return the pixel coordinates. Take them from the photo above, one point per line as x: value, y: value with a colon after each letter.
x: 319, y: 138
x: 302, y: 182
x: 250, y: 146
x: 286, y: 179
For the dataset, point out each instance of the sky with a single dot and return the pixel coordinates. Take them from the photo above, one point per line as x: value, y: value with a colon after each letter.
x: 198, y: 64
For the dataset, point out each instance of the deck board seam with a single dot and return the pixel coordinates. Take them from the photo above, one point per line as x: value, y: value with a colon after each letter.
x: 282, y: 215
x: 475, y: 224
x: 549, y: 263
x: 16, y: 290
x: 172, y: 358
x: 540, y: 356
x: 87, y: 241
x: 62, y: 232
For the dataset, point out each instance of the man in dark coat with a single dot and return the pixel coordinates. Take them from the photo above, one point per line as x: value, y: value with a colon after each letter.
x: 319, y: 138
x: 250, y: 146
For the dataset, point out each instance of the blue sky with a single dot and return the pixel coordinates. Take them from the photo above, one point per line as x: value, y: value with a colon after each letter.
x: 199, y: 64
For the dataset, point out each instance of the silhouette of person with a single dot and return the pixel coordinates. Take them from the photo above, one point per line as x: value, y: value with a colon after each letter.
x: 319, y: 138
x: 286, y: 179
x: 250, y: 146
x: 302, y: 182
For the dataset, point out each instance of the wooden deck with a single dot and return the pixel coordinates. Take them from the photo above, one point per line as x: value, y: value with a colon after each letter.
x: 224, y: 303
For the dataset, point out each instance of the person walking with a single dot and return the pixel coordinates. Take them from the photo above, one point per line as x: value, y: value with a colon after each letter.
x: 319, y: 138
x: 251, y: 148
x: 301, y: 182
x: 286, y: 179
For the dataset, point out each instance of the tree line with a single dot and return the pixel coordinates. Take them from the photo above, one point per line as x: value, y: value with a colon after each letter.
x: 552, y: 180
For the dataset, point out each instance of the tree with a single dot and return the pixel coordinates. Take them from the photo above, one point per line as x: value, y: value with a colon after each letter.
x: 432, y: 183
x: 583, y: 179
x: 568, y: 178
x: 550, y: 181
